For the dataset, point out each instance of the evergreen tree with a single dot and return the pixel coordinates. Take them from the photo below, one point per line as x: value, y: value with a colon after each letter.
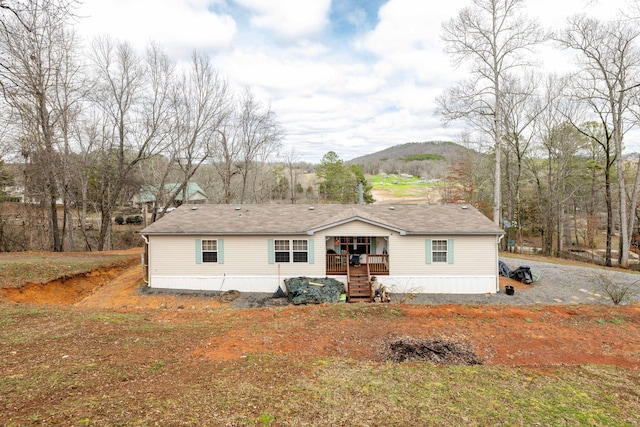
x: 339, y: 183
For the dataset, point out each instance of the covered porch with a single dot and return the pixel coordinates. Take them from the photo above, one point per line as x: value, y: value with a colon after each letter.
x: 368, y: 251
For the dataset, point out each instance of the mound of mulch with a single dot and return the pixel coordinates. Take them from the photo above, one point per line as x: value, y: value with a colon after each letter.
x: 435, y: 350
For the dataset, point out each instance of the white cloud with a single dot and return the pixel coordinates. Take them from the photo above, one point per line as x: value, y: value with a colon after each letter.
x: 289, y: 19
x: 350, y: 97
x: 179, y: 25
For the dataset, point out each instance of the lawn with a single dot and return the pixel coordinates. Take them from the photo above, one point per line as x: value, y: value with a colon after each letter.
x: 183, y: 360
x: 66, y: 367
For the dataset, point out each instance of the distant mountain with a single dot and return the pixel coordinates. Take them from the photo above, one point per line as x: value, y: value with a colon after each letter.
x: 432, y: 150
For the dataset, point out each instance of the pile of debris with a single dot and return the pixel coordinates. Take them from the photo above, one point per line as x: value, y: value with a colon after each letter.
x: 435, y: 350
x: 305, y: 290
x: 521, y: 274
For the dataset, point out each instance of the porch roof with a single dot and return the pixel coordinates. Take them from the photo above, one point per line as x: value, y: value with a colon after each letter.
x: 309, y: 219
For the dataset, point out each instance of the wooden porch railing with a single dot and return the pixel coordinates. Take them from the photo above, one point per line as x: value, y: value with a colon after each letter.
x: 337, y: 264
x: 376, y: 263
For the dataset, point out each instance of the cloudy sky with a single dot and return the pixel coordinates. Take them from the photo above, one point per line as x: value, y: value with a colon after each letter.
x: 352, y: 76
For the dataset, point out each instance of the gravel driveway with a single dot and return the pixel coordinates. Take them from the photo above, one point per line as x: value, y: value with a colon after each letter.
x: 558, y: 284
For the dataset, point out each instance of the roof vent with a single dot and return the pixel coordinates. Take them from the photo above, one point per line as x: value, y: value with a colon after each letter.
x: 311, y: 208
x: 465, y: 207
x: 237, y: 208
x: 392, y: 208
x: 194, y: 208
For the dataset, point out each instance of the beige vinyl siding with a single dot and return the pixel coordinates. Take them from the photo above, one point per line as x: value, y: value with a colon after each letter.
x: 355, y: 229
x: 473, y: 255
x: 243, y: 256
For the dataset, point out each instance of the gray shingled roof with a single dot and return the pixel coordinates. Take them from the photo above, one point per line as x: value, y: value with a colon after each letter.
x: 307, y: 219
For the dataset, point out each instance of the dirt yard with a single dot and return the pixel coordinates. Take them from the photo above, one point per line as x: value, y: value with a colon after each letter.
x: 535, y: 335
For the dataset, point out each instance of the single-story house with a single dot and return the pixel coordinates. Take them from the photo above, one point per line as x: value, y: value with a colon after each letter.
x: 192, y: 193
x: 253, y: 248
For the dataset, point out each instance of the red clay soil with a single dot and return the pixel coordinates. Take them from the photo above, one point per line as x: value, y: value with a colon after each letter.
x: 533, y: 335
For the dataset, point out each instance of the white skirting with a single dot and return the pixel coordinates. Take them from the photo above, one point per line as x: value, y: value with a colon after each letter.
x: 396, y: 284
x: 440, y: 284
x: 217, y: 283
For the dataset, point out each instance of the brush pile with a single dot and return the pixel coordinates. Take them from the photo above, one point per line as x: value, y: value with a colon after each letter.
x: 435, y: 350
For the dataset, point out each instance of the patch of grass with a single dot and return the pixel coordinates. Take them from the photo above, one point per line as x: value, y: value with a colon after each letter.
x: 18, y: 269
x: 265, y: 419
x: 355, y: 311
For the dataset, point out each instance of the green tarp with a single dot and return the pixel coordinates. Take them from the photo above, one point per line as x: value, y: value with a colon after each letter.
x: 306, y: 290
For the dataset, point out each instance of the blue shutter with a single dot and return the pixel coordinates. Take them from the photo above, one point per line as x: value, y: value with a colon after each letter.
x: 271, y: 254
x: 198, y: 251
x: 427, y: 249
x: 311, y: 251
x: 450, y: 251
x: 220, y: 251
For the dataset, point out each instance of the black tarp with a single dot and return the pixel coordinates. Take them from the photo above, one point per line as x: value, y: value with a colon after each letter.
x: 521, y: 274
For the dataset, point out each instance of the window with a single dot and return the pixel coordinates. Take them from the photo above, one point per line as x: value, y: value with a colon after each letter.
x: 291, y: 250
x: 439, y: 250
x: 300, y: 251
x: 281, y: 248
x: 209, y: 251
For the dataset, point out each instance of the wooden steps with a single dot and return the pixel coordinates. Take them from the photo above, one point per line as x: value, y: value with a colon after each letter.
x: 359, y: 286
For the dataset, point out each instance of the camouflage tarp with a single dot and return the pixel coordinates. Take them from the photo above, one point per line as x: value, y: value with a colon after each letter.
x: 306, y: 290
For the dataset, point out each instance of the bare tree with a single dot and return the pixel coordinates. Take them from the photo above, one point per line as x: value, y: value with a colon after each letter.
x: 68, y: 101
x: 133, y: 95
x: 248, y: 138
x: 521, y: 107
x: 87, y: 137
x: 226, y: 157
x: 35, y: 64
x: 259, y: 134
x: 290, y: 158
x: 609, y: 58
x: 494, y: 37
x: 200, y: 104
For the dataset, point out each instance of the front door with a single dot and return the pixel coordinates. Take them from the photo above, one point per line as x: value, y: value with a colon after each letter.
x: 354, y: 245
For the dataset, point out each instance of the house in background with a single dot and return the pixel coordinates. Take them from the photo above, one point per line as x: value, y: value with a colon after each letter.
x: 191, y: 194
x: 253, y: 248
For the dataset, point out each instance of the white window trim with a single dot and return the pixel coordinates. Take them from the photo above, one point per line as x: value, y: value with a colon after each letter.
x: 290, y: 251
x: 203, y: 251
x: 434, y: 251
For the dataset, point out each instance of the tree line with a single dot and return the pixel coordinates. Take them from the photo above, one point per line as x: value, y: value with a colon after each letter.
x: 93, y: 125
x: 555, y: 142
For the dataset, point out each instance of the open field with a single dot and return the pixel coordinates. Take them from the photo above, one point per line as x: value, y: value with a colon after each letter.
x: 391, y: 188
x: 112, y: 355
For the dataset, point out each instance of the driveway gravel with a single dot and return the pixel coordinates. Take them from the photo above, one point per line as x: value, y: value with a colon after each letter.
x: 558, y: 284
